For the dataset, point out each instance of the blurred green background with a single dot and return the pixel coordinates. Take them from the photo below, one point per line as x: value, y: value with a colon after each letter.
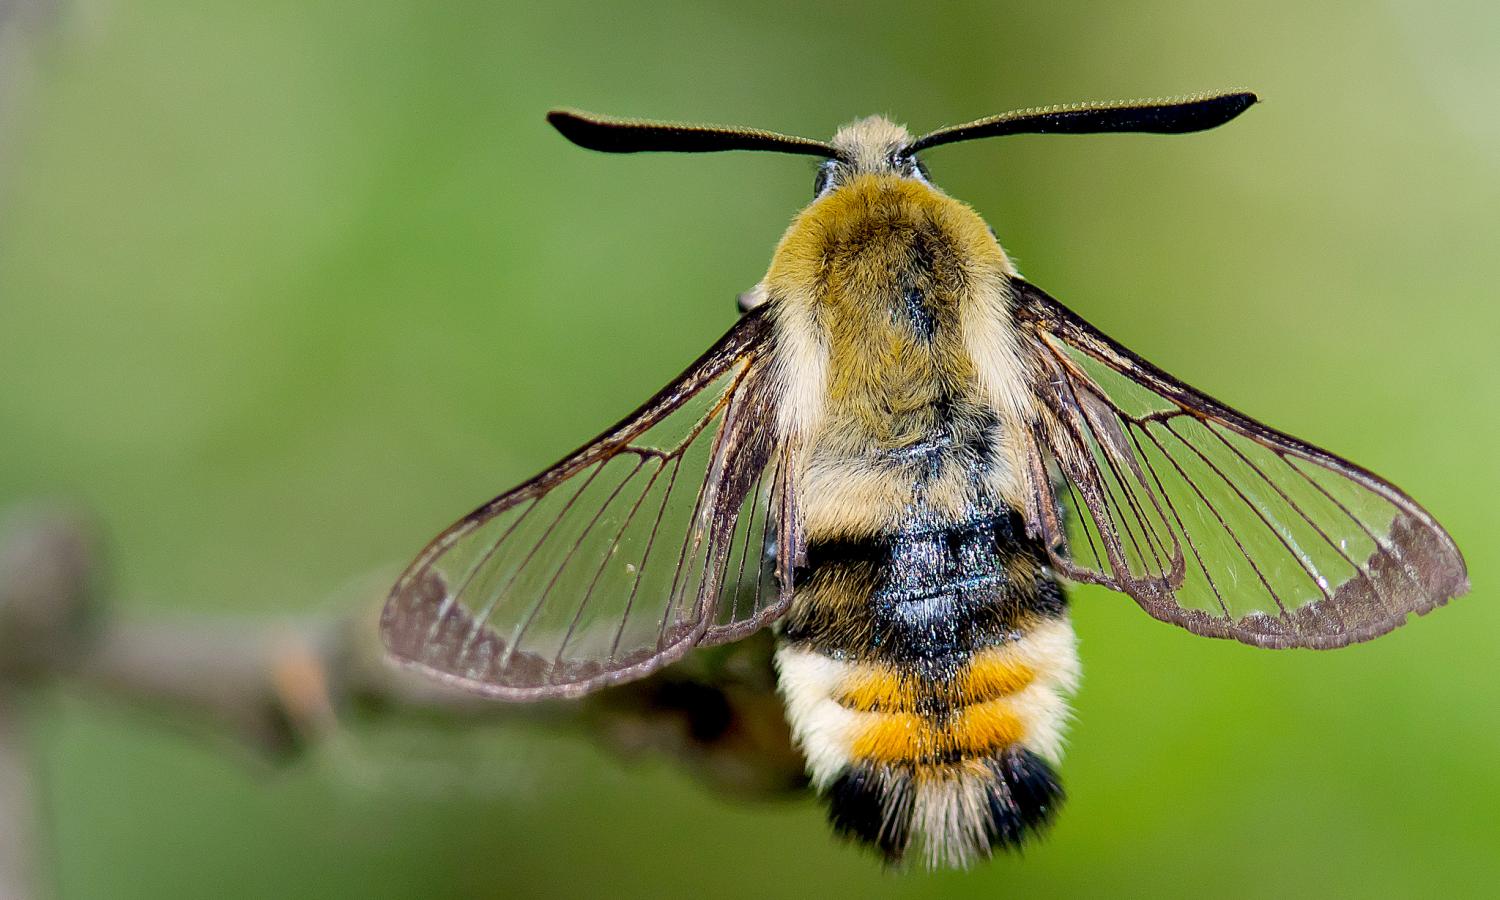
x: 287, y: 286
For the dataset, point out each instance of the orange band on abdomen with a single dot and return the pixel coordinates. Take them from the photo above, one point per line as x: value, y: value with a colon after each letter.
x: 905, y: 737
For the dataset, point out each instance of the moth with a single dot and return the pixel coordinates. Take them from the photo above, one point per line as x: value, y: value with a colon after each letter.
x: 895, y: 458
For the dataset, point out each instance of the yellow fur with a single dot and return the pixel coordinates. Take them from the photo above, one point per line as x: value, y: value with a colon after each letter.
x: 856, y: 383
x: 984, y: 728
x: 995, y: 673
x: 893, y: 738
x: 907, y: 738
x: 992, y: 674
x: 877, y: 688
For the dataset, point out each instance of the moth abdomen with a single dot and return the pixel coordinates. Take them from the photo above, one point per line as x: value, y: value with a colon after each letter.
x: 944, y: 770
x: 925, y: 672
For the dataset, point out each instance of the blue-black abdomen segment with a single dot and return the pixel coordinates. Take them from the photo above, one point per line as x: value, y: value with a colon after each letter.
x: 926, y: 595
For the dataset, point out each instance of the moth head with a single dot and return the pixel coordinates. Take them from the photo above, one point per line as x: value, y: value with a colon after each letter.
x: 870, y: 146
x: 876, y: 145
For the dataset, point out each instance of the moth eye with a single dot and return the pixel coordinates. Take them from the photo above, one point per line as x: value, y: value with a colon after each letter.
x: 824, y: 178
x: 909, y: 167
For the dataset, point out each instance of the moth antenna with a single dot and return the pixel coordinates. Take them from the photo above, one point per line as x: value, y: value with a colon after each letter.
x: 614, y: 135
x: 1173, y: 115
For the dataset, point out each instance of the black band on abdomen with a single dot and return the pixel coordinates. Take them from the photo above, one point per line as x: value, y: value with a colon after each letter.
x: 924, y: 594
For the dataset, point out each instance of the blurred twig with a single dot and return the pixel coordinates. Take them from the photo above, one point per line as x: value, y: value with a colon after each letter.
x: 279, y: 688
x: 19, y: 20
x: 45, y: 571
x: 17, y: 813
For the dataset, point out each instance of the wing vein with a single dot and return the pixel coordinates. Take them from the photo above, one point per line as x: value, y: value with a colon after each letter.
x: 614, y: 647
x: 1182, y: 528
x: 604, y: 563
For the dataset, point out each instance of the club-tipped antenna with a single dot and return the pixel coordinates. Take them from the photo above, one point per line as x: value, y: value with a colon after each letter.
x: 1175, y: 115
x: 612, y: 135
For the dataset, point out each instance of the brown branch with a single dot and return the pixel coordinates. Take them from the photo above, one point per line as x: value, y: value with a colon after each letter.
x: 17, y: 810
x: 45, y: 572
x: 278, y: 687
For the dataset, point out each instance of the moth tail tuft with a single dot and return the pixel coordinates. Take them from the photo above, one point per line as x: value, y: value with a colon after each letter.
x: 1023, y: 800
x: 947, y: 815
x: 872, y: 807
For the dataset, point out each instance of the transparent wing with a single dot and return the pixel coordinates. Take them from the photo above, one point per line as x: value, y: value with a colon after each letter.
x: 1209, y: 519
x: 619, y: 559
x: 754, y: 587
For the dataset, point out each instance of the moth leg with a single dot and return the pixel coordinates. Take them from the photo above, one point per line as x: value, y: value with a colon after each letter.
x: 748, y: 300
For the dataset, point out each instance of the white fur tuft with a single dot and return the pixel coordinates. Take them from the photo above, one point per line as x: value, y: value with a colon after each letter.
x: 822, y: 727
